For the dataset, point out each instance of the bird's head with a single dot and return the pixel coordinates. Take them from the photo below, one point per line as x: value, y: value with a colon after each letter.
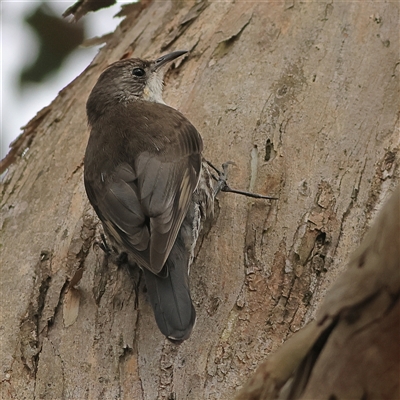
x: 129, y: 80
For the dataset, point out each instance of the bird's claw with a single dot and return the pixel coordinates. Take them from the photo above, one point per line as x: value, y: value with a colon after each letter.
x: 104, y: 245
x: 222, y: 185
x: 222, y: 177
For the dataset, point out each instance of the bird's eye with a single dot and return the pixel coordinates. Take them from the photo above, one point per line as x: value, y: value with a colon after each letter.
x: 138, y: 71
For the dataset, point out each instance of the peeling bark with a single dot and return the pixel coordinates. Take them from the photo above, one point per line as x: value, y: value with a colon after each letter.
x: 304, y: 97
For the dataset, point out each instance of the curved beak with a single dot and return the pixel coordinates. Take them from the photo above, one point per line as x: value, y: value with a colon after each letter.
x: 166, y: 59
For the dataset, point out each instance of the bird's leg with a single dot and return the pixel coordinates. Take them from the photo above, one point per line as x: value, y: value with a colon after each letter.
x: 222, y: 176
x: 103, y: 244
x: 118, y: 258
x: 222, y: 185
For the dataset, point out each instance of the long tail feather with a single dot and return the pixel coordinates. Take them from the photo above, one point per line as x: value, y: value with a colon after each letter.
x: 170, y: 296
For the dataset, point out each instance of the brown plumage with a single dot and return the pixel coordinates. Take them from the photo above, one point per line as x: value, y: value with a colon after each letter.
x: 143, y: 164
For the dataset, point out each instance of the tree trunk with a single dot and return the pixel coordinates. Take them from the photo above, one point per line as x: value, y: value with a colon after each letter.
x: 304, y: 98
x: 351, y: 350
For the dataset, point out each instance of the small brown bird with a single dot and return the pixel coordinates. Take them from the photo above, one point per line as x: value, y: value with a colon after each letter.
x: 148, y: 183
x: 144, y: 178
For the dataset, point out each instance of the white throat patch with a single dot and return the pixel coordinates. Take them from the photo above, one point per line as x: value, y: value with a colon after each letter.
x: 154, y: 88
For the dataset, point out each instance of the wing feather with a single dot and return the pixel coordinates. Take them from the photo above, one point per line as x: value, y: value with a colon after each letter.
x: 143, y: 195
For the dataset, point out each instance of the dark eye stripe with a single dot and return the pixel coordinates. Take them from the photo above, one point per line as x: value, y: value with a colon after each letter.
x: 138, y: 71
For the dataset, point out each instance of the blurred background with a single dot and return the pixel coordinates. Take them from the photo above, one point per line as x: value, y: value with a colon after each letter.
x: 40, y: 55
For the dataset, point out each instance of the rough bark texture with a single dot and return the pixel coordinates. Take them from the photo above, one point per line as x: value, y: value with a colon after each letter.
x: 352, y: 349
x: 304, y: 97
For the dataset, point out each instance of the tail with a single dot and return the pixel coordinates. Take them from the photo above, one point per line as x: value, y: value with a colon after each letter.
x: 170, y: 296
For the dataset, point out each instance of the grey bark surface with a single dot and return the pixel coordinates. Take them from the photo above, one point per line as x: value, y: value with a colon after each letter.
x: 304, y: 98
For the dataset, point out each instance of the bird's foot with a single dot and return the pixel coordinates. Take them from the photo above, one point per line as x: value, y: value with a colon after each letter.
x: 103, y: 245
x: 119, y: 258
x: 222, y: 176
x: 222, y: 185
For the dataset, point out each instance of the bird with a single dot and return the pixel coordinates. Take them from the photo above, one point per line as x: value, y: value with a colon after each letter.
x: 147, y: 180
x: 149, y: 184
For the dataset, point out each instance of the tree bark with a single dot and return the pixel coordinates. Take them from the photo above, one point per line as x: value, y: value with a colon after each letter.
x: 304, y: 98
x: 351, y: 350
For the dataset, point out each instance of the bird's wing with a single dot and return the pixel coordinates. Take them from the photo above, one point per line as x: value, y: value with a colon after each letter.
x: 165, y: 189
x: 116, y: 202
x: 167, y: 175
x: 143, y: 201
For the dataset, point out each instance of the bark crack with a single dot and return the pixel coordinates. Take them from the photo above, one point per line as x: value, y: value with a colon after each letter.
x: 29, y: 337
